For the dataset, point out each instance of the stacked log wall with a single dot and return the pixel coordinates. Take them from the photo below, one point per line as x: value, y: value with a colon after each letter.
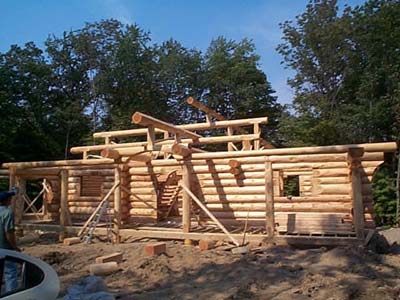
x: 81, y: 207
x: 324, y: 204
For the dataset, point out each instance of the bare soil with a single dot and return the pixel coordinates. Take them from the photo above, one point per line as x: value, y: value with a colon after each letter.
x: 185, y: 272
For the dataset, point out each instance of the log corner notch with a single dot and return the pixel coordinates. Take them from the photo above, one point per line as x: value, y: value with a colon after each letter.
x: 354, y: 161
x: 145, y: 120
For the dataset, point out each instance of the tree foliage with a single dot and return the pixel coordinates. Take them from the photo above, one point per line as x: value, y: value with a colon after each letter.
x: 94, y: 78
x: 346, y: 83
x: 347, y: 73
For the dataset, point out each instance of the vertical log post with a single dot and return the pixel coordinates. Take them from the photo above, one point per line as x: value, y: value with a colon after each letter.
x: 11, y: 184
x: 354, y: 160
x: 166, y: 136
x: 186, y: 201
x: 63, y: 204
x: 229, y: 132
x: 256, y: 130
x: 117, y: 206
x: 19, y: 204
x: 151, y: 137
x: 269, y: 199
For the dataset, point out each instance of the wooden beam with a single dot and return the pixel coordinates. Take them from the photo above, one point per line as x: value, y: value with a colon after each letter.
x: 210, y: 215
x: 269, y: 199
x: 19, y: 203
x: 229, y: 132
x: 117, y: 206
x: 145, y: 120
x: 195, y: 126
x: 165, y: 233
x: 110, y: 153
x: 355, y: 155
x: 375, y: 147
x: 186, y: 202
x: 63, y: 203
x: 59, y: 163
x: 210, y: 112
x: 138, y: 146
x: 126, y: 149
x: 205, y: 109
x: 256, y: 130
x: 179, y: 149
x: 151, y: 137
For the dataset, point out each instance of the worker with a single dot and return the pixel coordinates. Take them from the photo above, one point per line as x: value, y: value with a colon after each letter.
x: 8, y: 239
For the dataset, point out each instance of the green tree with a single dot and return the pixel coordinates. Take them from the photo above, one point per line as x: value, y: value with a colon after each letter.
x: 347, y: 70
x: 180, y: 75
x: 26, y: 105
x: 234, y: 84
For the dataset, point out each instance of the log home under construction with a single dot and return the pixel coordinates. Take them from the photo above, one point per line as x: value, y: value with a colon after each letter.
x: 168, y: 186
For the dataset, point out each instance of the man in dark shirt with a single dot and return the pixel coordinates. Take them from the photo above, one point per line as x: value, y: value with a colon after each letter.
x: 8, y: 240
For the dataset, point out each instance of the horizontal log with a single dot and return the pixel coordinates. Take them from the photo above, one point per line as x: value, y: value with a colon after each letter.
x: 142, y: 212
x: 372, y: 147
x: 332, y: 189
x: 141, y: 184
x: 142, y: 191
x: 232, y: 182
x: 145, y: 120
x: 81, y: 149
x: 137, y: 198
x: 145, y: 177
x: 246, y: 190
x: 99, y: 172
x: 331, y: 180
x: 90, y: 210
x: 374, y: 156
x: 196, y: 126
x: 304, y: 206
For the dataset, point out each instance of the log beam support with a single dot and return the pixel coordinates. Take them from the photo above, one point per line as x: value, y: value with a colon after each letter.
x: 117, y: 207
x: 354, y: 159
x: 269, y: 199
x: 145, y: 120
x: 63, y: 204
x: 186, y: 201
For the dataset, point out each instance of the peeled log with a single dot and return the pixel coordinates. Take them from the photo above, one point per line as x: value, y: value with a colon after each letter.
x: 373, y: 147
x: 145, y: 120
x: 235, y: 171
x: 181, y: 150
x: 232, y: 182
x: 110, y: 153
x: 104, y: 268
x: 233, y: 163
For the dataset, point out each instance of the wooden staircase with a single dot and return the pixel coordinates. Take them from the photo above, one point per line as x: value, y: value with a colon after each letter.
x: 169, y: 195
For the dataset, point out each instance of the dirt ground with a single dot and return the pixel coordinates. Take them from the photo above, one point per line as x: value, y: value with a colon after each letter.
x: 277, y: 272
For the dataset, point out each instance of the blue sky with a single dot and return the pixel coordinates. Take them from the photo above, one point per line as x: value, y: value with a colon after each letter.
x: 193, y: 23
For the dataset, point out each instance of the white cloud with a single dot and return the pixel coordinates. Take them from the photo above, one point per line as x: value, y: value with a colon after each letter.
x: 118, y: 10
